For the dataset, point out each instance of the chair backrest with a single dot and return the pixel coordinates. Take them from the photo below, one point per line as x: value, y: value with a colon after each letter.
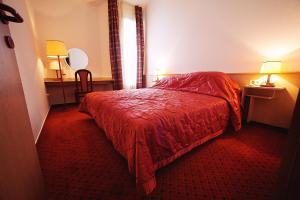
x: 83, y: 80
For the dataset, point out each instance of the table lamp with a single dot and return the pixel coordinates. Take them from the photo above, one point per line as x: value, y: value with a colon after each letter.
x: 269, y: 68
x: 57, y: 49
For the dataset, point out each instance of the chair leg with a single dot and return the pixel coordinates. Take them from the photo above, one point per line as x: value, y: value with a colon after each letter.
x: 77, y: 98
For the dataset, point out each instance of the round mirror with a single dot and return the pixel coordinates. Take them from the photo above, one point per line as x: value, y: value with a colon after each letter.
x: 77, y: 59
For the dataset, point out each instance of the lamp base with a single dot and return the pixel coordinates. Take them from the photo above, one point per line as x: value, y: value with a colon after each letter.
x: 57, y: 74
x: 267, y: 85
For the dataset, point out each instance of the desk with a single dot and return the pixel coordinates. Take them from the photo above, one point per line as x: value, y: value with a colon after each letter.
x: 54, y: 91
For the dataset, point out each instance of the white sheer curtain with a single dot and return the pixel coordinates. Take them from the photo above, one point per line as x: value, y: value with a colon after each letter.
x: 128, y: 45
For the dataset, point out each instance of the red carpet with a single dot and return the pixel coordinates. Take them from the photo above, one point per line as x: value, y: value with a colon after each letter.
x: 78, y: 162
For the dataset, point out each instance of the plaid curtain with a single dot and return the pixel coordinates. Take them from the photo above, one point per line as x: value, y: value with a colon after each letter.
x: 114, y: 44
x: 140, y: 47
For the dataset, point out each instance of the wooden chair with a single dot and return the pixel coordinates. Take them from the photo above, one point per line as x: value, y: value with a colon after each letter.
x: 84, y: 83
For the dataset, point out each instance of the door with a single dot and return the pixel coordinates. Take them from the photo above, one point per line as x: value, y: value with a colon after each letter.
x: 289, y: 177
x: 20, y: 173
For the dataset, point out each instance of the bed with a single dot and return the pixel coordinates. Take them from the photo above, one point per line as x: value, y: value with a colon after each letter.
x: 152, y: 127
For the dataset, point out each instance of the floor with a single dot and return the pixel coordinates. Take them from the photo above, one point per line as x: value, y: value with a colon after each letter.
x: 78, y: 162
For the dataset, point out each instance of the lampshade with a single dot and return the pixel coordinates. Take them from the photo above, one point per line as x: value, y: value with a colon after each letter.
x: 56, y: 48
x: 271, y: 67
x: 54, y: 65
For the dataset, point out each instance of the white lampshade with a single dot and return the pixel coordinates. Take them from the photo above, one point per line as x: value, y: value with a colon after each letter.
x: 271, y: 67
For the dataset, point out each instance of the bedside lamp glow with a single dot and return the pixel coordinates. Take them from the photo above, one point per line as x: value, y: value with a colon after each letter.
x: 269, y: 68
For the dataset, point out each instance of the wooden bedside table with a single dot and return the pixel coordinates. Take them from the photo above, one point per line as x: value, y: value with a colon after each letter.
x: 256, y: 92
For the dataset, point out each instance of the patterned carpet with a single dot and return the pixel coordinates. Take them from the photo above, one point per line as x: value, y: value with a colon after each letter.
x: 78, y: 162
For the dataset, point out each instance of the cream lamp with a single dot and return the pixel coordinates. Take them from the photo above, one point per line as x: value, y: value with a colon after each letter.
x: 57, y: 49
x: 269, y: 68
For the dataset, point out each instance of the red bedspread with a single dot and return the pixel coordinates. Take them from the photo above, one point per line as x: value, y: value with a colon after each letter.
x: 152, y: 127
x: 215, y: 84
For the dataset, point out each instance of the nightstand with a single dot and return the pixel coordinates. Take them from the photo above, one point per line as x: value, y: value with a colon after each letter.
x: 250, y: 93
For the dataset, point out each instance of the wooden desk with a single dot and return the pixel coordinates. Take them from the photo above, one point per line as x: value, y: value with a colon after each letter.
x: 54, y: 91
x: 71, y: 81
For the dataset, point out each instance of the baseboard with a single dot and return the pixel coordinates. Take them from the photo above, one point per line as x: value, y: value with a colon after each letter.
x: 280, y: 129
x: 37, y: 138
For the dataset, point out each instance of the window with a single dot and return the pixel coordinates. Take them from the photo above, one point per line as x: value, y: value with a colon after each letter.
x: 128, y: 46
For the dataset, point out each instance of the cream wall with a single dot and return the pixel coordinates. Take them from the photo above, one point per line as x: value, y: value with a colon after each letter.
x: 30, y: 67
x: 222, y: 35
x: 80, y: 24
